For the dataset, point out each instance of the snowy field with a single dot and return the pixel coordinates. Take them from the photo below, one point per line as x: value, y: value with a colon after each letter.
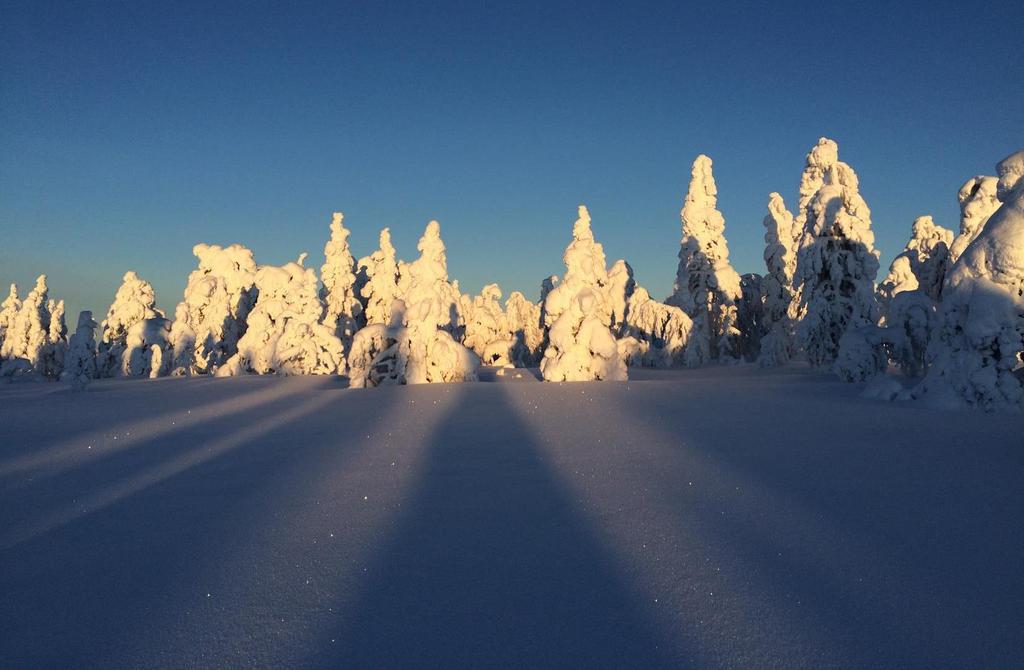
x: 714, y: 517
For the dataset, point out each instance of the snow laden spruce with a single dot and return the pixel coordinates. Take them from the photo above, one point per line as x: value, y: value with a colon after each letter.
x: 135, y: 338
x: 35, y: 337
x: 343, y: 311
x: 836, y: 265
x: 977, y: 352
x: 707, y: 288
x: 284, y: 333
x: 212, y: 316
x: 944, y: 324
x: 776, y: 347
x: 416, y: 345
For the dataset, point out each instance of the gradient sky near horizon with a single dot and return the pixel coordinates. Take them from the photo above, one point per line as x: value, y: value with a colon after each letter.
x: 130, y: 131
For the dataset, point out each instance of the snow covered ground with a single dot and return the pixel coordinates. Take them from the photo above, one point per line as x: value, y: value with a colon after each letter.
x: 714, y: 517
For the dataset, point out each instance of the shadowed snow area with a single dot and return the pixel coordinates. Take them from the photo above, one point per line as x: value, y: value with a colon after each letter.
x: 692, y: 518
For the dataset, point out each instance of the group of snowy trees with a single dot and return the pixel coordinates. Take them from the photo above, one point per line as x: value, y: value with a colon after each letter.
x: 949, y: 312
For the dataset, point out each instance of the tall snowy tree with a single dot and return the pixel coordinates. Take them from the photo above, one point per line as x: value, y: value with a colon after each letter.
x: 585, y: 268
x: 425, y: 280
x: 343, y: 309
x: 707, y: 288
x: 381, y: 287
x: 837, y: 262
x: 416, y: 345
x: 25, y: 345
x: 80, y: 359
x: 8, y: 313
x: 776, y: 346
x: 285, y: 333
x: 581, y: 345
x: 978, y: 202
x: 52, y: 362
x: 134, y: 302
x: 979, y: 349
x: 212, y: 316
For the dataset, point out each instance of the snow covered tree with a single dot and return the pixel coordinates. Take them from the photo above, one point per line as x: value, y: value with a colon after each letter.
x: 381, y: 287
x: 212, y: 316
x: 134, y: 302
x: 861, y: 353
x: 581, y: 345
x: 585, y: 268
x: 910, y: 323
x: 922, y: 263
x: 978, y: 351
x: 425, y: 280
x: 978, y: 202
x: 649, y: 333
x: 776, y: 347
x: 8, y: 313
x: 52, y: 356
x: 343, y: 309
x: 523, y: 320
x: 25, y: 344
x: 837, y: 262
x: 409, y: 349
x: 416, y: 344
x: 655, y: 334
x: 285, y: 333
x: 619, y: 288
x: 148, y: 351
x: 707, y: 288
x: 487, y: 329
x: 80, y: 359
x: 750, y: 320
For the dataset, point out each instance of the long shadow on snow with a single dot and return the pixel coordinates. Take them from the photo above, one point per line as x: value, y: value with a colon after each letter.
x: 933, y: 528
x: 492, y: 566
x: 54, y: 452
x: 84, y: 594
x: 64, y: 492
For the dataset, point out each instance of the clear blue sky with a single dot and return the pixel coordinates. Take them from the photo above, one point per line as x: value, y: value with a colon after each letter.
x: 131, y: 131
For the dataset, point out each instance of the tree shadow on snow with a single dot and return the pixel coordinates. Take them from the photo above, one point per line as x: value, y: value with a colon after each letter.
x: 126, y: 580
x: 907, y: 552
x: 491, y: 564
